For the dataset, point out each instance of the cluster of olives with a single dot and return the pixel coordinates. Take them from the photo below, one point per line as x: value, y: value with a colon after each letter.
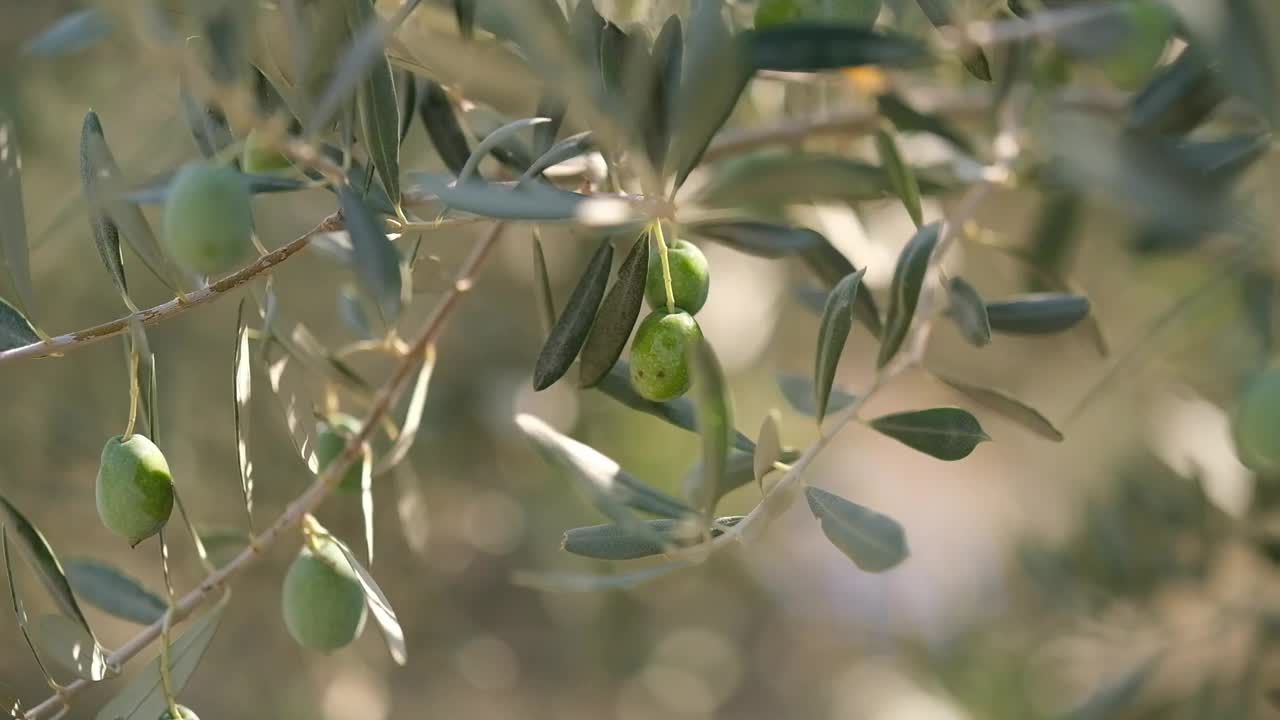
x: 659, y: 352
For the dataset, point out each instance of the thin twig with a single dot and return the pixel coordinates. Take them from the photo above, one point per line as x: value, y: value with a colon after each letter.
x: 309, y: 500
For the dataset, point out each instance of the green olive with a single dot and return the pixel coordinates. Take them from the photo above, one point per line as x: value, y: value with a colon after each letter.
x: 185, y: 712
x: 1133, y: 62
x: 1255, y: 425
x: 323, y: 602
x: 331, y: 438
x: 659, y: 354
x: 690, y: 278
x: 134, y: 488
x: 258, y: 158
x: 208, y: 221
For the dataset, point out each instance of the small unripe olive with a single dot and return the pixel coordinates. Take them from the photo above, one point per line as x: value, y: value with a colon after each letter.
x: 324, y: 606
x: 690, y: 279
x: 183, y: 710
x: 1133, y: 62
x: 331, y: 437
x: 208, y: 221
x: 134, y: 488
x: 258, y: 158
x: 659, y: 354
x: 1255, y: 425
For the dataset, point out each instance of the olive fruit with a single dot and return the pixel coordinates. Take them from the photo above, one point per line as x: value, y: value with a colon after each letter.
x: 1255, y: 425
x: 1133, y: 62
x: 324, y: 607
x: 208, y: 222
x: 331, y: 438
x: 185, y: 712
x: 134, y: 488
x: 258, y: 158
x: 690, y: 279
x: 659, y: 354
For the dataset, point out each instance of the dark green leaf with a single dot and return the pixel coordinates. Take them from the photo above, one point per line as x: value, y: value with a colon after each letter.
x: 542, y: 286
x: 1178, y: 98
x: 761, y: 239
x: 833, y: 331
x: 614, y: 49
x: 551, y: 106
x: 377, y: 262
x: 144, y: 698
x: 15, y: 331
x: 617, y: 316
x: 380, y: 117
x: 587, y: 30
x: 14, y: 254
x: 772, y: 178
x: 39, y: 554
x: 668, y: 56
x: 1225, y: 160
x: 1054, y: 238
x: 940, y: 13
x: 831, y: 266
x: 713, y: 411
x: 1241, y: 36
x: 768, y: 447
x: 465, y: 12
x: 495, y: 139
x: 570, y: 331
x: 969, y: 312
x: 713, y: 75
x: 908, y: 280
x: 442, y: 126
x: 114, y: 592
x: 1007, y: 407
x: 678, y: 412
x: 71, y: 33
x: 242, y: 385
x: 407, y: 96
x: 611, y: 542
x: 106, y: 235
x: 901, y: 177
x: 800, y: 393
x: 908, y: 119
x: 814, y: 46
x: 1037, y: 313
x: 379, y: 607
x: 511, y: 151
x: 874, y: 542
x: 533, y: 201
x: 946, y: 433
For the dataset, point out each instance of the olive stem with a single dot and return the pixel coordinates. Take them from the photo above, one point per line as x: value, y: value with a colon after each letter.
x: 666, y: 266
x: 166, y: 676
x: 315, y: 494
x: 134, y: 392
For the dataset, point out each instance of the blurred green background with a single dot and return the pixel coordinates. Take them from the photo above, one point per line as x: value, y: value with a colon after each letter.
x: 1041, y: 575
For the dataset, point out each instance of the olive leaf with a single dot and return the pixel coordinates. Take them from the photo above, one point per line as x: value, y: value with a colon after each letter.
x: 156, y: 190
x: 768, y: 448
x: 379, y: 607
x: 542, y: 286
x: 667, y: 59
x: 1178, y: 98
x: 289, y: 392
x: 902, y: 179
x: 904, y: 291
x: 350, y: 309
x: 14, y: 252
x: 15, y: 330
x: 570, y: 331
x: 138, y: 347
x: 377, y: 262
x: 412, y: 416
x: 65, y: 643
x: 242, y: 385
x: 800, y: 393
x: 833, y: 332
x: 113, y: 591
x: 1006, y: 406
x: 713, y: 413
x: 443, y: 128
x: 1240, y: 38
x: 553, y: 107
x: 831, y: 266
x: 1037, y: 313
x: 71, y: 33
x: 874, y: 542
x: 1053, y: 238
x: 907, y: 119
x: 773, y: 179
x: 494, y: 140
x: 946, y: 433
x: 678, y: 411
x: 144, y: 697
x: 465, y: 12
x: 379, y: 114
x: 969, y: 312
x: 567, y: 149
x: 942, y: 15
x: 611, y: 542
x: 19, y: 608
x: 407, y: 100
x: 1225, y: 159
x: 533, y: 201
x: 762, y: 239
x: 808, y: 46
x: 617, y: 316
x: 15, y: 528
x: 713, y: 75
x: 556, y: 582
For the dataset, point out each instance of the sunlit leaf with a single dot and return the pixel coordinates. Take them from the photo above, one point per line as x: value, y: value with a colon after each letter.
x: 63, y: 641
x: 833, y: 331
x: 407, y: 98
x: 412, y: 416
x: 768, y: 447
x: 555, y: 582
x: 678, y: 412
x: 71, y: 33
x: 946, y: 433
x: 443, y: 128
x: 942, y: 15
x: 807, y: 46
x: 570, y: 331
x: 1006, y: 406
x: 14, y: 255
x: 377, y: 262
x: 1037, y: 313
x: 800, y: 393
x: 242, y: 383
x: 904, y: 292
x: 969, y: 312
x: 611, y: 542
x: 874, y: 542
x: 617, y: 316
x: 15, y: 331
x: 379, y: 606
x: 112, y: 591
x: 901, y: 177
x: 713, y: 411
x: 762, y: 239
x: 299, y: 414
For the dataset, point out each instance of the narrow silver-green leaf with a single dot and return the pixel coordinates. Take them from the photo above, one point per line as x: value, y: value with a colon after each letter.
x: 494, y: 140
x: 570, y: 331
x: 762, y: 239
x: 542, y: 286
x: 298, y: 412
x: 617, y: 316
x: 19, y: 608
x: 831, y: 266
x: 800, y: 393
x: 380, y: 126
x: 408, y: 431
x: 14, y: 252
x: 901, y: 177
x: 874, y: 542
x: 15, y: 330
x: 443, y: 128
x: 810, y: 46
x: 139, y: 346
x: 113, y: 591
x: 556, y: 582
x: 379, y: 606
x: 904, y: 292
x: 768, y: 447
x: 553, y: 107
x: 946, y: 433
x: 908, y: 119
x: 407, y: 98
x: 70, y: 33
x: 64, y: 642
x: 144, y: 698
x: 377, y: 262
x: 667, y: 59
x: 1007, y: 407
x: 833, y: 331
x: 772, y: 178
x: 969, y: 312
x: 713, y: 412
x: 567, y: 149
x: 611, y: 542
x: 941, y: 14
x: 208, y: 127
x: 1037, y: 313
x: 532, y: 201
x: 242, y: 384
x: 678, y: 412
x: 1179, y: 97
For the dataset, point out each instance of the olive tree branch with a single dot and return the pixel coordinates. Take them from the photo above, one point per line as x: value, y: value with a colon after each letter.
x: 310, y: 499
